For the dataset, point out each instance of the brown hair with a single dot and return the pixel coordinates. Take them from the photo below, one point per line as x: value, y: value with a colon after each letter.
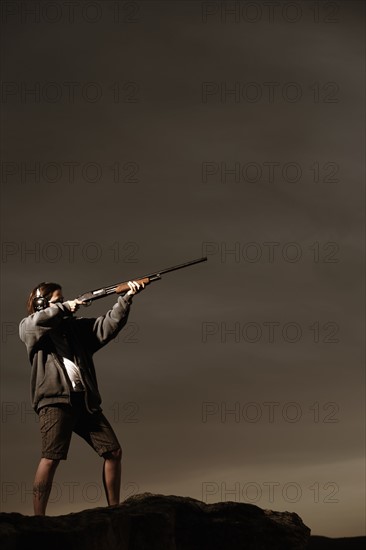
x: 46, y: 290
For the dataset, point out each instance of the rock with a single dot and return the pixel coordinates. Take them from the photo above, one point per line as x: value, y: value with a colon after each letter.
x: 158, y: 522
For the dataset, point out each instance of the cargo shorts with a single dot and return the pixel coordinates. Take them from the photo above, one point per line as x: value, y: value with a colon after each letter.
x: 59, y: 421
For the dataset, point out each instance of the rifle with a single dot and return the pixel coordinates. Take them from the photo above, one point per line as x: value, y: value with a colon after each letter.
x: 88, y: 297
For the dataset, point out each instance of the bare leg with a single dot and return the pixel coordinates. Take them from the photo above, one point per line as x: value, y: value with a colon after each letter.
x: 112, y: 476
x: 42, y: 485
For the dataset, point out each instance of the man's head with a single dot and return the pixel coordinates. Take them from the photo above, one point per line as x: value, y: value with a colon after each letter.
x: 42, y: 295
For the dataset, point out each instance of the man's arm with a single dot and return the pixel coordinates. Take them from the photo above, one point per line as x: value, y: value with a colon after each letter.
x: 36, y: 325
x: 106, y: 327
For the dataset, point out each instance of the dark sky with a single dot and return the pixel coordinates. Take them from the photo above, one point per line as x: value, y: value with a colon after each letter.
x: 139, y: 135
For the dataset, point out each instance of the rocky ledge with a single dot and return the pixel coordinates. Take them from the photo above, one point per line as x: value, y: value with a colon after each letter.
x: 158, y: 522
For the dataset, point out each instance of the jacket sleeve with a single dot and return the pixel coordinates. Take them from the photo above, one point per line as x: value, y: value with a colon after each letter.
x: 106, y: 327
x: 37, y: 325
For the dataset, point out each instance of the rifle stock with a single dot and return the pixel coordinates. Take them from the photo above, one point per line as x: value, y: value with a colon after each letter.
x: 122, y: 287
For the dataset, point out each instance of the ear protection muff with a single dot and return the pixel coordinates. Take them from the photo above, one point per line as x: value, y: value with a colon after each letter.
x: 40, y: 302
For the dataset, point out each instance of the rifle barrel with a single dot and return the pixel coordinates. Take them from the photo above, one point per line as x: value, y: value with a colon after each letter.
x: 105, y: 291
x: 179, y: 266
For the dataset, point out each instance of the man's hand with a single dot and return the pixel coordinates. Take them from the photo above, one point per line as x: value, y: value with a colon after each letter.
x: 134, y: 288
x: 74, y: 304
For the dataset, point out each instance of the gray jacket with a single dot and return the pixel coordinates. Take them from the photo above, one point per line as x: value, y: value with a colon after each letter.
x: 50, y: 383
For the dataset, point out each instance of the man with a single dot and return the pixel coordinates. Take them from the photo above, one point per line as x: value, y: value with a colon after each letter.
x: 64, y: 388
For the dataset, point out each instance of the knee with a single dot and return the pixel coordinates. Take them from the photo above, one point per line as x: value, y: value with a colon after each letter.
x: 114, y: 455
